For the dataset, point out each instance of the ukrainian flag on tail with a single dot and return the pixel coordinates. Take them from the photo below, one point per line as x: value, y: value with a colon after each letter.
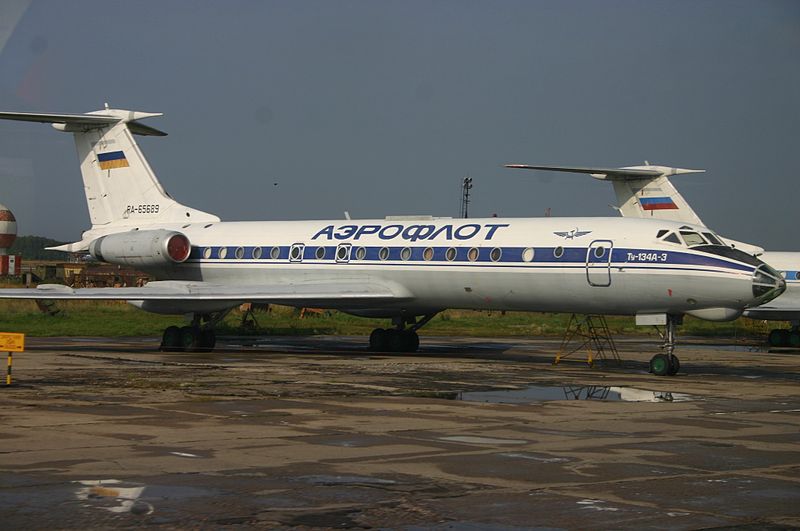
x: 111, y: 160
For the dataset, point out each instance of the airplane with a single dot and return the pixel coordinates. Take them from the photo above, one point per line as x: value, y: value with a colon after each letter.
x: 405, y: 269
x: 645, y: 192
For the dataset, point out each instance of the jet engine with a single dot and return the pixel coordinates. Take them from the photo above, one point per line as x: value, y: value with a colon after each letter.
x: 142, y: 248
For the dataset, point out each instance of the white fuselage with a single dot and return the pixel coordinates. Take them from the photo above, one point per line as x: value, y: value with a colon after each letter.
x: 582, y: 265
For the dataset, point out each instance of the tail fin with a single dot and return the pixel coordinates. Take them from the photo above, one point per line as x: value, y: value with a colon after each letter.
x: 121, y: 188
x: 646, y: 192
x: 642, y: 191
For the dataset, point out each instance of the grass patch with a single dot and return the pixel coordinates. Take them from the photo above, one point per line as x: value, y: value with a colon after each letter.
x: 117, y: 318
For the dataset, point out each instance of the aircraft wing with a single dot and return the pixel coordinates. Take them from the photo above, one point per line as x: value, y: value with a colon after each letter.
x: 352, y: 291
x: 775, y: 310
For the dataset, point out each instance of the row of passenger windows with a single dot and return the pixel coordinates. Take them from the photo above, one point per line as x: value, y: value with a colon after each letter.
x: 344, y: 253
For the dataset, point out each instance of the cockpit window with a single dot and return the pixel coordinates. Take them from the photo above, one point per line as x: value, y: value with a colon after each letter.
x: 668, y: 236
x: 692, y: 238
x: 713, y: 239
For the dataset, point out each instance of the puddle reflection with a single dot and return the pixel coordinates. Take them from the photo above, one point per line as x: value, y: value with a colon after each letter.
x: 545, y: 393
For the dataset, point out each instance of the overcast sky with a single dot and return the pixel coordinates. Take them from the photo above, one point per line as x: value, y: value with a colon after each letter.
x: 382, y: 107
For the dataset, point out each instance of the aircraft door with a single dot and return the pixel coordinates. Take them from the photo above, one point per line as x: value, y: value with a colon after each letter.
x: 598, y: 263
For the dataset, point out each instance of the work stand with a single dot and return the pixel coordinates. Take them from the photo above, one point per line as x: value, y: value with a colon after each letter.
x: 590, y: 334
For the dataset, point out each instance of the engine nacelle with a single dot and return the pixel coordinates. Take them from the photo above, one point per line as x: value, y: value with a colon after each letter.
x: 142, y: 248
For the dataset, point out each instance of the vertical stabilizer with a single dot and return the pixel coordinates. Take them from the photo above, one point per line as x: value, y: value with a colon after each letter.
x: 121, y: 188
x: 653, y: 196
x: 642, y: 191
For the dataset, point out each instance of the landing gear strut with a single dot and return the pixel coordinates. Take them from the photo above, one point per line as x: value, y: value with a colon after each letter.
x: 667, y: 363
x: 196, y: 337
x: 399, y: 338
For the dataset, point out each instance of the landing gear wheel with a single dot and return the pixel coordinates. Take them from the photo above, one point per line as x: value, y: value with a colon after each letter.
x: 411, y: 341
x: 660, y: 365
x: 379, y: 340
x: 794, y: 339
x: 171, y: 339
x: 775, y: 337
x: 190, y: 338
x: 207, y: 340
x: 674, y: 365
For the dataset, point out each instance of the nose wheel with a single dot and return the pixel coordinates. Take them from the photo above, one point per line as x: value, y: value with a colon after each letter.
x: 667, y: 363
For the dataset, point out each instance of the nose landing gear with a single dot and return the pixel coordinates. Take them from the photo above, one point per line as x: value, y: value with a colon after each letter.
x: 399, y: 338
x: 667, y: 363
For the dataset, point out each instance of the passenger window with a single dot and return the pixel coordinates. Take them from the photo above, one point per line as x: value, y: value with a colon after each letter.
x: 320, y: 253
x: 450, y: 254
x: 496, y: 254
x: 405, y: 254
x: 383, y: 254
x: 427, y: 254
x: 361, y: 253
x: 343, y: 252
x: 472, y: 255
x: 296, y: 254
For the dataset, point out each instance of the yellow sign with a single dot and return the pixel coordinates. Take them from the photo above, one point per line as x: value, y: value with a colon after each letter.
x: 12, y: 342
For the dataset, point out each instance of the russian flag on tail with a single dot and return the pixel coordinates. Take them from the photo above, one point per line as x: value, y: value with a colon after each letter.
x: 657, y: 203
x: 111, y: 160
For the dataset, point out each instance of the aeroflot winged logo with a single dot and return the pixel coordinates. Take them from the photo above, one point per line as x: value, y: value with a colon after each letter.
x: 572, y: 234
x: 411, y: 232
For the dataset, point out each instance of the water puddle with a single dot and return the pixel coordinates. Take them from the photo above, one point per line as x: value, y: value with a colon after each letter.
x: 328, y: 480
x: 470, y: 439
x: 546, y: 393
x: 113, y: 496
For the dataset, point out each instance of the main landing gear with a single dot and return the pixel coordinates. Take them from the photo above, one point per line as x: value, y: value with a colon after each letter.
x: 666, y: 363
x: 399, y: 338
x: 196, y: 337
x: 781, y: 337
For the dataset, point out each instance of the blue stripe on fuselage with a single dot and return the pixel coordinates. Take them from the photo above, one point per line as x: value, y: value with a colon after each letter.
x: 620, y: 257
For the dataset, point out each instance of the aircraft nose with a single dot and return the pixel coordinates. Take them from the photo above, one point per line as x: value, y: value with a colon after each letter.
x: 767, y: 284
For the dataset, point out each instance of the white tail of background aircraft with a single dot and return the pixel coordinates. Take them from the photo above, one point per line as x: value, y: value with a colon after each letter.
x: 104, y: 141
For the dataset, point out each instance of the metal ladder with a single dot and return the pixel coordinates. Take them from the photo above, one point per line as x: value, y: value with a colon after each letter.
x: 588, y: 333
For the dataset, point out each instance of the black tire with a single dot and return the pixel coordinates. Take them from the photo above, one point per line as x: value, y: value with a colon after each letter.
x: 412, y: 341
x: 378, y: 340
x: 190, y: 338
x: 207, y: 340
x: 775, y: 337
x: 395, y: 340
x: 674, y: 365
x: 794, y: 339
x: 660, y: 365
x: 171, y: 339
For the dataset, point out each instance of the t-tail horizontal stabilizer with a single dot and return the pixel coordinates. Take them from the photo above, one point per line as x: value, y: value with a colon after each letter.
x: 122, y: 191
x: 642, y: 191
